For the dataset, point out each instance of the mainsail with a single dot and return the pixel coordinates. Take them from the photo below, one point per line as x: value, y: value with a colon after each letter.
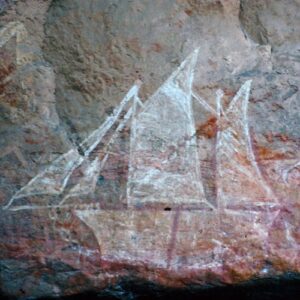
x: 164, y: 163
x: 239, y: 180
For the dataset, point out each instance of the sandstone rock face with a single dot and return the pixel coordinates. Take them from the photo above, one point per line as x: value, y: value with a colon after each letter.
x: 151, y: 140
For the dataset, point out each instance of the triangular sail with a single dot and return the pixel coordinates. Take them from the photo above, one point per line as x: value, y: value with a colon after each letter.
x: 87, y: 183
x: 164, y: 163
x: 239, y: 180
x: 90, y: 143
x: 53, y: 180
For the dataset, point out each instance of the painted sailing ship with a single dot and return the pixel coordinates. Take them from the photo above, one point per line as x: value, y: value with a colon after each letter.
x: 164, y: 170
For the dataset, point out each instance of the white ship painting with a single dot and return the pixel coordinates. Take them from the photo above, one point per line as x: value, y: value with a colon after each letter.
x: 164, y: 171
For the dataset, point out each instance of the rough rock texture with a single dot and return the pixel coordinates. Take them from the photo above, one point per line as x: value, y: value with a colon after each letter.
x: 68, y: 227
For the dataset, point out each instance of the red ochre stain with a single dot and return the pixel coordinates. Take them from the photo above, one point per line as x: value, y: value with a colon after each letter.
x: 172, y: 244
x: 229, y: 93
x: 278, y: 136
x: 189, y: 12
x: 243, y: 159
x: 31, y: 141
x: 156, y: 47
x: 269, y: 137
x: 208, y: 129
x: 282, y: 137
x: 5, y: 71
x: 134, y: 45
x: 265, y: 153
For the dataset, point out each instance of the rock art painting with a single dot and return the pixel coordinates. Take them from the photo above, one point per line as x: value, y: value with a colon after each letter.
x: 190, y: 177
x: 163, y: 174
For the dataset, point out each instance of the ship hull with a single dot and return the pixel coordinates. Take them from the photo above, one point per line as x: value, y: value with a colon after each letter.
x: 188, y: 239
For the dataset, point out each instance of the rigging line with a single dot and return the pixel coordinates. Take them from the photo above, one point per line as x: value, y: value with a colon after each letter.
x: 286, y: 172
x: 136, y: 101
x: 204, y: 103
x: 94, y: 139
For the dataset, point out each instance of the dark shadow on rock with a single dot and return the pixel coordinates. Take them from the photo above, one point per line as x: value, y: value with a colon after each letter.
x: 286, y: 287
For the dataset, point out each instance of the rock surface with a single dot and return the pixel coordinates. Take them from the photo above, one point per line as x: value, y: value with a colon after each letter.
x: 79, y: 214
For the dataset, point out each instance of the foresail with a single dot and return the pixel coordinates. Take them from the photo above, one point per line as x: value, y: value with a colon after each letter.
x: 53, y: 180
x: 88, y: 181
x: 239, y: 180
x: 164, y: 163
x: 92, y: 170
